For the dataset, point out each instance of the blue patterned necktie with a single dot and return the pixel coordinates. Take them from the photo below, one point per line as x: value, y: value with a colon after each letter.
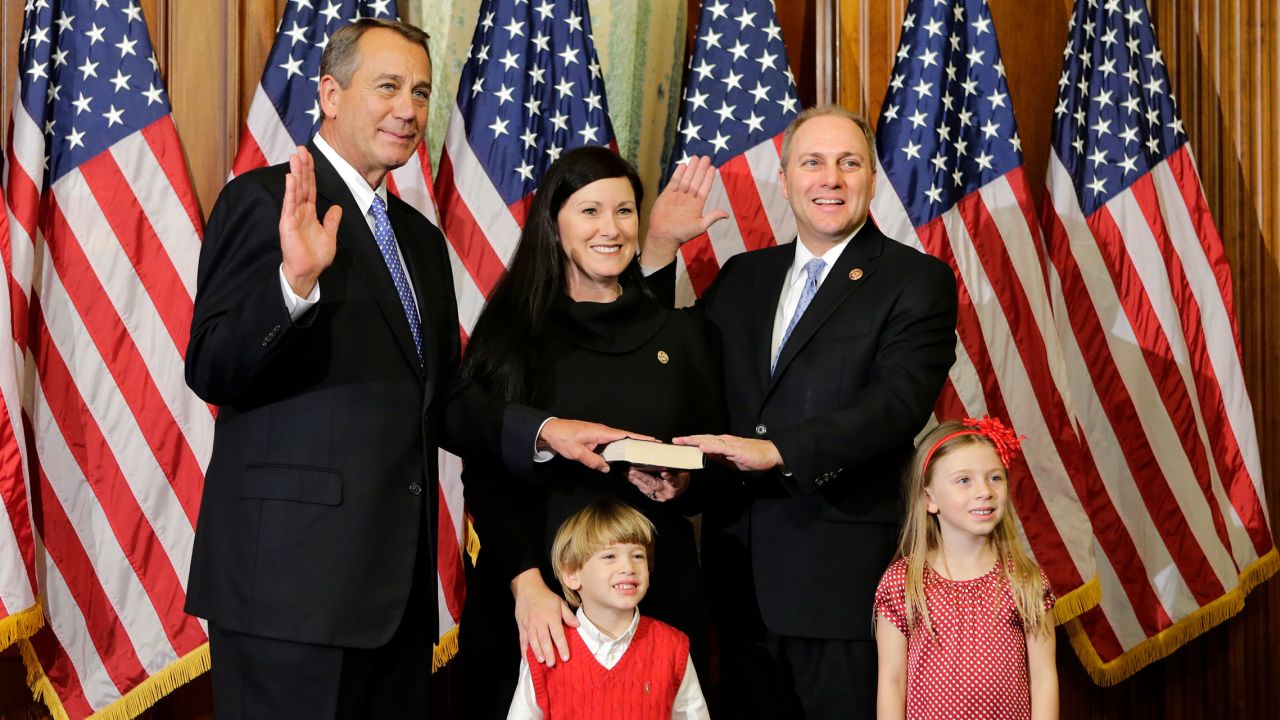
x: 814, y: 269
x: 386, y: 240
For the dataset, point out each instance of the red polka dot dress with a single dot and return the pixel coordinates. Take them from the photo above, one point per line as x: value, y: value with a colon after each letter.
x: 975, y: 668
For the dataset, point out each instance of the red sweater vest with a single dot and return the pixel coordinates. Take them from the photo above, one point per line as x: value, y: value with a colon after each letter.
x: 642, y: 686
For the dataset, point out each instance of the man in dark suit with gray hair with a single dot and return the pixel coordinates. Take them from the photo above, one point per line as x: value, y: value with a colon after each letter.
x: 326, y: 331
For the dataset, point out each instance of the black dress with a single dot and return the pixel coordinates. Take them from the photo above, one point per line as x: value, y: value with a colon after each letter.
x: 630, y: 364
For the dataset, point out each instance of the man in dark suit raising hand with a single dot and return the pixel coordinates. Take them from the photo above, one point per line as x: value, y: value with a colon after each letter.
x: 326, y: 331
x: 834, y: 350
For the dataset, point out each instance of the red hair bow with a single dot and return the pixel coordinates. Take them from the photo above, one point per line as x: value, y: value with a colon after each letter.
x: 1007, y: 443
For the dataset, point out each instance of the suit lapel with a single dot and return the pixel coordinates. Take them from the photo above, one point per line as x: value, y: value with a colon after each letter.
x: 863, y: 255
x: 356, y: 239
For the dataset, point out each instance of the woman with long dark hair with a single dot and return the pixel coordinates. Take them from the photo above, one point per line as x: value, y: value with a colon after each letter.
x: 572, y: 329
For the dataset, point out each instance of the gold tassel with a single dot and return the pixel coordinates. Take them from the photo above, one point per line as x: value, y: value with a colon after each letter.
x: 134, y: 702
x: 1162, y: 644
x: 1078, y: 601
x: 443, y: 651
x: 473, y: 541
x: 41, y: 688
x: 1260, y: 570
x: 21, y: 625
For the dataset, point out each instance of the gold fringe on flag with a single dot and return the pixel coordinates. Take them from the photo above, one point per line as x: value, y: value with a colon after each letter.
x: 1078, y: 601
x: 473, y: 541
x: 443, y: 651
x: 21, y: 625
x: 134, y: 702
x: 39, y: 683
x: 1162, y: 644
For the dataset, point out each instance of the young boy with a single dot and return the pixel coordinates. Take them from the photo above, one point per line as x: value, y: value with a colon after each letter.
x: 621, y: 664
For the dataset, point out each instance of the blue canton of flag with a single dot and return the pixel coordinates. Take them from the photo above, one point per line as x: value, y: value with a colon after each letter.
x: 1116, y: 116
x: 947, y: 126
x: 739, y: 89
x: 290, y: 80
x: 739, y: 97
x: 532, y: 88
x: 292, y: 72
x: 90, y: 79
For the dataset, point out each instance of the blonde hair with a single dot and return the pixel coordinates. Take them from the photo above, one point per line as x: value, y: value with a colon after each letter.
x: 590, y: 530
x: 921, y: 536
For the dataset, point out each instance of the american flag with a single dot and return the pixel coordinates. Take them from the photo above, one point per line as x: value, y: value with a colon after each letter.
x: 20, y: 615
x: 285, y: 113
x: 952, y: 183
x: 1142, y: 298
x: 531, y: 88
x: 105, y: 234
x: 739, y: 96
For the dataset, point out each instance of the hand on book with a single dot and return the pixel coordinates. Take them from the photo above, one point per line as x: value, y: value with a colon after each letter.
x: 747, y: 454
x: 659, y: 484
x: 577, y: 440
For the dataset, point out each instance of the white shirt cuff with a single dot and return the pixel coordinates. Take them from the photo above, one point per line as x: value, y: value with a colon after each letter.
x: 297, y: 306
x: 541, y: 456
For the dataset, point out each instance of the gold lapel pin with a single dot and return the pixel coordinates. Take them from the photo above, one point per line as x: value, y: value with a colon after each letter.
x: 855, y: 274
x: 663, y: 357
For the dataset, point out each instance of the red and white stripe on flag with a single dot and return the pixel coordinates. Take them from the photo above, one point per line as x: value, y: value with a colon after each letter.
x: 105, y: 235
x: 951, y: 183
x: 20, y: 614
x: 285, y: 114
x: 1142, y: 298
x: 739, y: 126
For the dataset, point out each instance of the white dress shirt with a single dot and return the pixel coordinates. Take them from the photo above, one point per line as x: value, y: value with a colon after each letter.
x: 689, y: 703
x: 793, y: 286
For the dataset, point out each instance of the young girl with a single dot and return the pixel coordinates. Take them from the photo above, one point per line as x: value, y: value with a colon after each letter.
x: 963, y: 622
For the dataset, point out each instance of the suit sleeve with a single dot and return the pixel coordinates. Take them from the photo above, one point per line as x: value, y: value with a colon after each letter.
x: 240, y: 320
x: 915, y: 351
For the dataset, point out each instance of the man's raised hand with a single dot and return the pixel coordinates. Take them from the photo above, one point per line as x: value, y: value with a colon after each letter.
x: 306, y: 245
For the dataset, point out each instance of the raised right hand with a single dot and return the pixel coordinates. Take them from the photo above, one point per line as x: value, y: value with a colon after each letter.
x: 677, y: 215
x: 306, y: 245
x: 541, y: 616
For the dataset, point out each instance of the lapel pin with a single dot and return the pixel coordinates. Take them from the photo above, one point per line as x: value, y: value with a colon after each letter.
x: 663, y: 357
x: 855, y: 274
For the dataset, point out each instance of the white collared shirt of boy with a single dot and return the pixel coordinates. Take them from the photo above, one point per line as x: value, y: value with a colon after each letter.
x: 689, y: 703
x: 363, y: 195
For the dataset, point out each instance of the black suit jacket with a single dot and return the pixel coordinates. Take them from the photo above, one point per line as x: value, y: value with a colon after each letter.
x: 322, y: 489
x: 854, y: 384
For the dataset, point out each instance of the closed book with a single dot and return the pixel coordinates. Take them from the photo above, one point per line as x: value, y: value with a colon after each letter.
x: 654, y: 454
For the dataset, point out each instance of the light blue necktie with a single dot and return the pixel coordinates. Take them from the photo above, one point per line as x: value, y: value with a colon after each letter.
x: 814, y: 269
x: 386, y: 240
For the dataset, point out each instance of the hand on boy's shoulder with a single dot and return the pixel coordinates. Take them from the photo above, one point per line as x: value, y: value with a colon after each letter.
x: 541, y: 617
